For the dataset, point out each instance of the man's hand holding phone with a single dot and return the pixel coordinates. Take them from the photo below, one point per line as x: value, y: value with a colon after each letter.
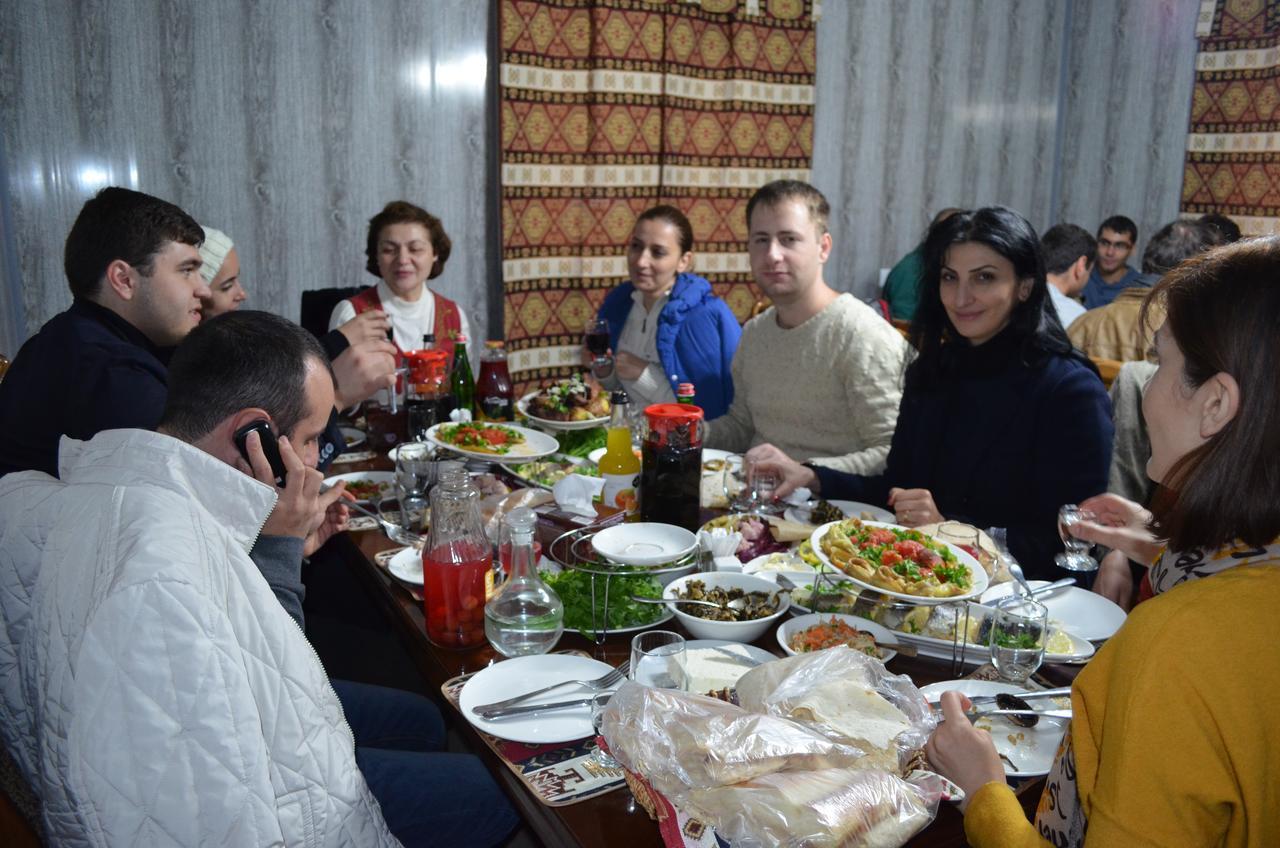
x: 299, y: 506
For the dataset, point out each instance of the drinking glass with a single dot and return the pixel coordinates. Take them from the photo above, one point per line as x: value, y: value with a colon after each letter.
x: 1075, y: 556
x: 657, y: 660
x: 415, y: 475
x: 599, y: 756
x: 765, y: 484
x: 747, y: 489
x: 596, y: 339
x: 1019, y: 630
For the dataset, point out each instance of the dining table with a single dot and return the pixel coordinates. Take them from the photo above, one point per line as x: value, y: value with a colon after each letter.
x: 612, y: 818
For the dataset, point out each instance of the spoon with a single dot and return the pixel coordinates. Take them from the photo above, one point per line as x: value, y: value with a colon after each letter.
x: 1019, y: 711
x: 736, y: 605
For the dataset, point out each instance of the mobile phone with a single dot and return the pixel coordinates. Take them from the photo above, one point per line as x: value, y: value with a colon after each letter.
x: 269, y: 447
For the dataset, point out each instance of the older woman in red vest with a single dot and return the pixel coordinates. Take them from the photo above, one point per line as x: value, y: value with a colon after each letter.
x: 407, y: 246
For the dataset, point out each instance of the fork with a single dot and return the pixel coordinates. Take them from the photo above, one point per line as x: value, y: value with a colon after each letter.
x: 604, y: 681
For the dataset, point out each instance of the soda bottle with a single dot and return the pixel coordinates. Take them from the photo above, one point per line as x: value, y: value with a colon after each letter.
x: 462, y: 383
x: 457, y: 564
x: 620, y: 467
x: 495, y: 395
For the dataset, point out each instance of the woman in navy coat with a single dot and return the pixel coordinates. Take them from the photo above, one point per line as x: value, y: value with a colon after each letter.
x: 1001, y: 421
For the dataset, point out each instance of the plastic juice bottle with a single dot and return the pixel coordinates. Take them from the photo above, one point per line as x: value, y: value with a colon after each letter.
x: 495, y: 395
x: 620, y: 467
x: 457, y: 564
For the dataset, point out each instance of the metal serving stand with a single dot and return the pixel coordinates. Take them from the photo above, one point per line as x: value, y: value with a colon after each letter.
x: 573, y: 551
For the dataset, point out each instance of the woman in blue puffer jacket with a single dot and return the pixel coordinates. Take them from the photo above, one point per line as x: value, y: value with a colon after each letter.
x: 665, y: 325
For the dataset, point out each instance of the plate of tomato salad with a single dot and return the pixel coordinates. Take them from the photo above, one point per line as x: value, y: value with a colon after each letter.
x: 899, y: 561
x: 495, y: 442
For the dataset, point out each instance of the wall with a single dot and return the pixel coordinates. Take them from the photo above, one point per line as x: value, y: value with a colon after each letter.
x: 289, y: 124
x: 1066, y: 110
x: 286, y: 124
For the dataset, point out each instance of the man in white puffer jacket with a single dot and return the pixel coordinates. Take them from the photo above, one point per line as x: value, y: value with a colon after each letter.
x: 154, y: 691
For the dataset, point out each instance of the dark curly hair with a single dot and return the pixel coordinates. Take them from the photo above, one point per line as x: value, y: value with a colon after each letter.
x: 404, y: 212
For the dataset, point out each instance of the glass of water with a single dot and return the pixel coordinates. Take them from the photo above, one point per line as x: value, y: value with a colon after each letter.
x: 1019, y: 631
x: 1075, y: 555
x: 415, y: 475
x: 599, y: 756
x: 657, y: 660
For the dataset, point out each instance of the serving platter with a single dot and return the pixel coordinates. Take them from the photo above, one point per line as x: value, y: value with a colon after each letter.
x: 851, y: 509
x: 536, y: 445
x: 978, y: 578
x: 522, y: 406
x: 1082, y: 650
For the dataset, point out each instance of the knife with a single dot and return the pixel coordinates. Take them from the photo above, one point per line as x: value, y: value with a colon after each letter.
x: 1053, y: 587
x: 532, y: 708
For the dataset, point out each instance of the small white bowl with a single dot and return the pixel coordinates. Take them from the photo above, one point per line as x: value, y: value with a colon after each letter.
x: 644, y: 543
x: 733, y: 631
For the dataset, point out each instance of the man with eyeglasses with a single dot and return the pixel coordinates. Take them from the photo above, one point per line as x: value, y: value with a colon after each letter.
x: 1112, y: 274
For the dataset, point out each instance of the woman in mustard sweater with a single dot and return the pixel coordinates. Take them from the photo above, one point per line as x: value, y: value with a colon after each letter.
x: 1174, y: 739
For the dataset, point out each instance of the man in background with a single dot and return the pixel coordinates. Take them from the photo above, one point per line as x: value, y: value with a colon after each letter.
x: 818, y: 374
x: 1069, y: 254
x: 902, y: 286
x: 1112, y: 274
x: 1114, y: 331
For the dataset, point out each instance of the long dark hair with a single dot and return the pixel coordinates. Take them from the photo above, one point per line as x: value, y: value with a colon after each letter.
x: 1033, y: 322
x: 1222, y: 309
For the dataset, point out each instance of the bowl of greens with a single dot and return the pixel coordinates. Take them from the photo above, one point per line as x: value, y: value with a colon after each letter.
x: 620, y: 615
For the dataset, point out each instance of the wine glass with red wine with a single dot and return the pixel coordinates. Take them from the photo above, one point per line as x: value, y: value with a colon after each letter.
x: 596, y: 339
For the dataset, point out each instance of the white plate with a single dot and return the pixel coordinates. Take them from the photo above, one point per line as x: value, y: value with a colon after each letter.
x: 708, y: 454
x: 802, y: 622
x: 1082, y: 650
x: 354, y: 438
x: 644, y: 543
x: 1034, y: 751
x: 851, y: 509
x: 512, y: 677
x: 407, y: 566
x: 978, y: 576
x: 1084, y: 613
x: 797, y: 570
x: 535, y: 445
x: 386, y: 481
x: 720, y: 670
x: 522, y: 406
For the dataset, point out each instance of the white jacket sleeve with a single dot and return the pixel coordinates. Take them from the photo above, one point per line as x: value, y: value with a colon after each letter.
x: 167, y: 744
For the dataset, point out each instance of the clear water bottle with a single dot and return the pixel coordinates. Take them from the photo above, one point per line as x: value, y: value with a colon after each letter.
x: 525, y: 616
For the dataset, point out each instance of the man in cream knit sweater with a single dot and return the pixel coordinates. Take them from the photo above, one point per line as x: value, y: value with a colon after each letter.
x: 818, y: 375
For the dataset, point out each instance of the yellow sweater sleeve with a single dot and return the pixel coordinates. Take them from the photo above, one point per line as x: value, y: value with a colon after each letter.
x: 994, y: 819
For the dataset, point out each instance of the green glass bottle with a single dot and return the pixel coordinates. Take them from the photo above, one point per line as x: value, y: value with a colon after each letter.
x: 462, y: 383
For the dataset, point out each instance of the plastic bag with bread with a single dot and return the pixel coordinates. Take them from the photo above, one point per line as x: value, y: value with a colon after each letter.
x: 812, y: 757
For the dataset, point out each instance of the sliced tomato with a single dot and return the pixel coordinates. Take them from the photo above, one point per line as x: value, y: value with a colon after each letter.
x: 909, y: 549
x: 890, y: 558
x: 495, y: 436
x: 880, y: 536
